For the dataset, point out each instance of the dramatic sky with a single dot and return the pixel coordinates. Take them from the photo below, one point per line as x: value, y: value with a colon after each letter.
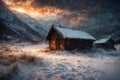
x: 73, y: 12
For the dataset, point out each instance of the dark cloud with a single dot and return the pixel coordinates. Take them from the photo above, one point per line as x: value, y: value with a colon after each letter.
x: 90, y: 7
x: 84, y: 6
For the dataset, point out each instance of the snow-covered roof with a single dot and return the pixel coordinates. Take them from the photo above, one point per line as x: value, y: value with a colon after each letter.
x: 70, y: 33
x: 104, y: 40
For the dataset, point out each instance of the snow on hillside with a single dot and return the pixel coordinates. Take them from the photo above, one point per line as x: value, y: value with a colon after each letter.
x: 65, y: 65
x: 34, y: 24
x: 9, y: 21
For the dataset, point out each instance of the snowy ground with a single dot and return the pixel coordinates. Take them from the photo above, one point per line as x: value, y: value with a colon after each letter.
x: 65, y: 65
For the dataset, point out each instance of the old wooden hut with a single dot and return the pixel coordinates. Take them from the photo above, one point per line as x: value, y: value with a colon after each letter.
x: 61, y: 38
x: 105, y: 43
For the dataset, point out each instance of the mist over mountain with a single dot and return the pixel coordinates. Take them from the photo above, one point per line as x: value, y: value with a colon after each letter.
x: 110, y: 28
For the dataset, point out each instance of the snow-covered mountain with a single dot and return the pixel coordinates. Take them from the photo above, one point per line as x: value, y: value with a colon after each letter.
x: 33, y: 24
x: 12, y: 26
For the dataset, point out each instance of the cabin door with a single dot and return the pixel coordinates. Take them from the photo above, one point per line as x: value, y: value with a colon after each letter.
x: 62, y: 46
x: 53, y: 44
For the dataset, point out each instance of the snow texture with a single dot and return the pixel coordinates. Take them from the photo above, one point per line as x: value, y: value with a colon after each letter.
x: 69, y: 33
x: 101, y: 65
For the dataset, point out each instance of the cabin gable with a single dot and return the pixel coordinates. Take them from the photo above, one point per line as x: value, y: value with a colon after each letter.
x: 56, y: 40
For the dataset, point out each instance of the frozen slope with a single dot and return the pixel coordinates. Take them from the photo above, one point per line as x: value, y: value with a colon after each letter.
x: 10, y: 22
x: 33, y: 24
